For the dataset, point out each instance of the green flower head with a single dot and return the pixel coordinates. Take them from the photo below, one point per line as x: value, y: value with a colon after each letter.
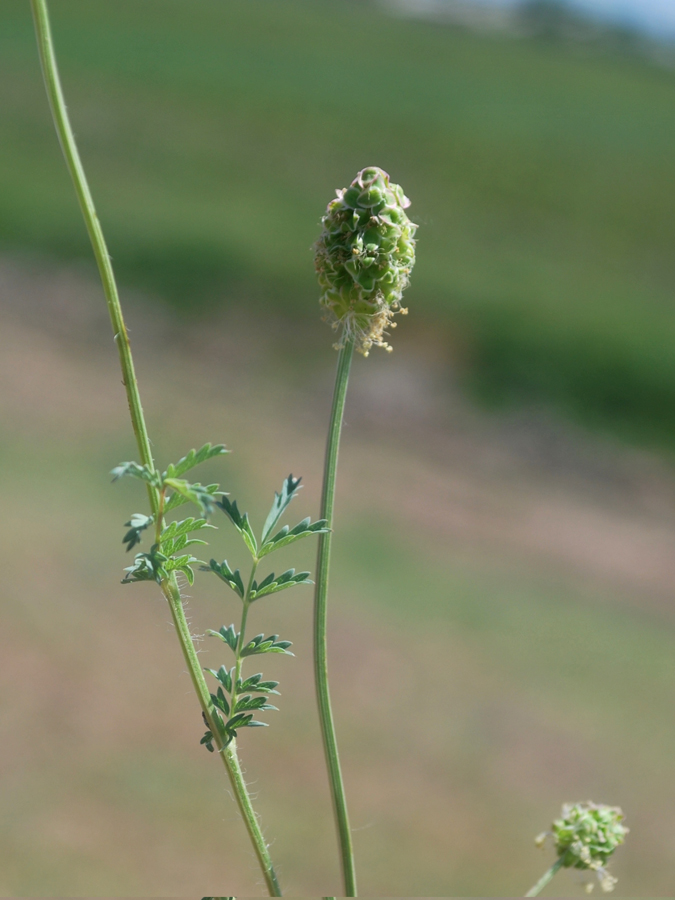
x: 585, y: 836
x: 364, y: 257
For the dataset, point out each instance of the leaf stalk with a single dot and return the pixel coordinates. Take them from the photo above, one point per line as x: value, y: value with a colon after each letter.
x: 545, y: 878
x: 241, y: 643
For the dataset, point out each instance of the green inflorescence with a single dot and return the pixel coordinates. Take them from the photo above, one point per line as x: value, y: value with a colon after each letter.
x: 586, y: 835
x: 364, y: 257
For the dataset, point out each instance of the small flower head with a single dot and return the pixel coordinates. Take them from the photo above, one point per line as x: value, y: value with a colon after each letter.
x: 364, y: 257
x: 585, y: 836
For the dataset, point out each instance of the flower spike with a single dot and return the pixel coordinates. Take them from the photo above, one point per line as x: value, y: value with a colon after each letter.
x: 364, y: 258
x: 585, y: 836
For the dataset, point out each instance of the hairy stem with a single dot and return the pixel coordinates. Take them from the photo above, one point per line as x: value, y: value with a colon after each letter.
x: 320, y: 621
x: 545, y: 878
x: 169, y: 587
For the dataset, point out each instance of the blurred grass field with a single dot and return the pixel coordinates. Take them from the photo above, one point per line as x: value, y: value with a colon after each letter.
x: 501, y: 611
x: 214, y: 136
x: 501, y: 624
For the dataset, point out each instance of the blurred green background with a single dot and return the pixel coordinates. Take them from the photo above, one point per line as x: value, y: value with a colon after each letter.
x: 502, y: 601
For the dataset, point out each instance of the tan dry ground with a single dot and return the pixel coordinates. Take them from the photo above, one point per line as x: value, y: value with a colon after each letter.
x: 501, y: 626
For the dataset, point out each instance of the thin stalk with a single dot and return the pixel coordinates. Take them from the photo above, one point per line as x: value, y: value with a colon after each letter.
x: 320, y: 620
x: 242, y: 630
x: 545, y: 878
x: 169, y: 587
x: 72, y: 157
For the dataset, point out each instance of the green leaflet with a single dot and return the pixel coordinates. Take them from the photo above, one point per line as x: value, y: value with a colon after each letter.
x: 240, y: 522
x: 219, y: 700
x: 186, y: 526
x: 147, y: 567
x: 178, y: 499
x: 193, y: 493
x: 247, y: 702
x: 254, y: 683
x: 261, y: 644
x: 134, y: 470
x: 229, y: 635
x: 272, y: 584
x: 183, y: 564
x: 225, y: 573
x: 287, y: 535
x: 207, y: 740
x: 173, y: 546
x: 136, y: 525
x: 224, y: 676
x: 193, y: 458
x: 289, y: 489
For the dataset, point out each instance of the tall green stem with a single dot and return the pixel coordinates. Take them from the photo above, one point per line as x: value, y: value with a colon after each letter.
x: 320, y: 621
x: 545, y: 878
x: 70, y: 152
x: 169, y: 587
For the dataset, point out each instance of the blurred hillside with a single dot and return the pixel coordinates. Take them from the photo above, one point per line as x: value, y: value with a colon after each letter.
x: 215, y: 133
x: 501, y: 623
